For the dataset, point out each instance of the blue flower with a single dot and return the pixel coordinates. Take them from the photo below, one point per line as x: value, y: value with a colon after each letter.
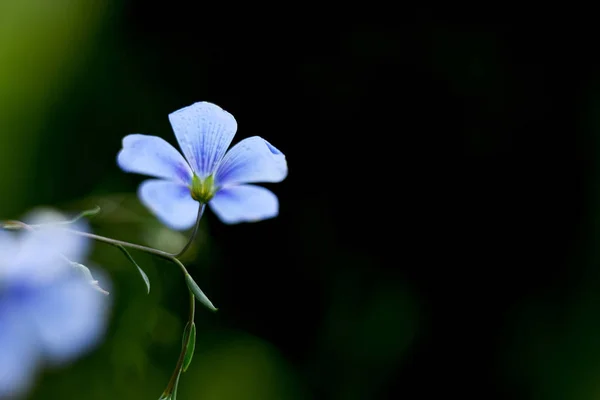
x: 208, y: 173
x: 49, y: 311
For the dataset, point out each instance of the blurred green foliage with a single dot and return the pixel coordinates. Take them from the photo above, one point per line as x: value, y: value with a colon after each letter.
x: 40, y: 47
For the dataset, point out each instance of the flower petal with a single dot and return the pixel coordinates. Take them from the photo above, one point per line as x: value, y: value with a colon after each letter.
x: 244, y: 203
x: 69, y: 317
x: 19, y: 350
x: 7, y: 249
x: 40, y: 254
x: 153, y: 156
x: 251, y: 160
x: 204, y: 131
x: 171, y: 202
x: 54, y: 238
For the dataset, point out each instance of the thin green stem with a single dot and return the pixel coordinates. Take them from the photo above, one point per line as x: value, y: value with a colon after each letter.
x: 11, y: 224
x: 194, y: 233
x: 175, y: 377
x: 115, y: 242
x: 180, y: 264
x: 119, y: 243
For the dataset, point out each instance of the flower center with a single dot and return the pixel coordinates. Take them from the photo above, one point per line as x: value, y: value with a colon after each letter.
x: 203, y: 190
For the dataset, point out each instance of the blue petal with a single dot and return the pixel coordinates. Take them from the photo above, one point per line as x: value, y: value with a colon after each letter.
x: 40, y: 254
x: 54, y: 239
x: 18, y: 351
x: 69, y: 317
x: 204, y: 132
x: 153, y: 156
x: 244, y: 203
x: 7, y: 247
x: 170, y: 202
x: 251, y: 160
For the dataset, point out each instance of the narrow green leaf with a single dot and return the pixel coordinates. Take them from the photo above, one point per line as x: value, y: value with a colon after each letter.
x: 88, y: 213
x: 83, y: 214
x: 191, y: 345
x: 185, y: 332
x: 141, y: 271
x: 198, y: 293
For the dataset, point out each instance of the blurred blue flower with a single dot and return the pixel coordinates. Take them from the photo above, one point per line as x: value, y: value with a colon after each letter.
x: 210, y: 175
x: 49, y: 312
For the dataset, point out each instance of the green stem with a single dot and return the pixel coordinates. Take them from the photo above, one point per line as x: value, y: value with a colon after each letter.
x: 194, y: 233
x: 119, y: 243
x: 12, y: 224
x: 115, y: 242
x: 175, y: 377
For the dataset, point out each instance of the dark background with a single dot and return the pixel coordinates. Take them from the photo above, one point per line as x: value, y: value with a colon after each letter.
x: 437, y: 230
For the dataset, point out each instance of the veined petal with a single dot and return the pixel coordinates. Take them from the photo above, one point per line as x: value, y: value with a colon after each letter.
x: 153, y: 156
x: 204, y: 132
x: 69, y: 317
x: 19, y: 350
x: 244, y: 203
x: 171, y: 202
x: 251, y: 160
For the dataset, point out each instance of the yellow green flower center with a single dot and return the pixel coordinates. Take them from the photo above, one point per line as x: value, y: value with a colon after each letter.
x: 203, y: 190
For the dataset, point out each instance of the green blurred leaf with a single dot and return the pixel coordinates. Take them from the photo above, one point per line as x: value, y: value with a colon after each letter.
x: 42, y: 46
x: 83, y: 214
x: 190, y: 334
x: 86, y: 214
x: 141, y: 271
x: 198, y: 293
